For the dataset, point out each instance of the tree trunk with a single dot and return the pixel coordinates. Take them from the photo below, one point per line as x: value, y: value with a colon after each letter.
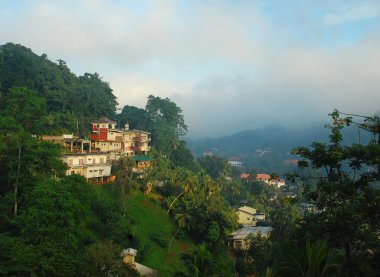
x: 171, y: 240
x: 171, y: 204
x: 15, y: 206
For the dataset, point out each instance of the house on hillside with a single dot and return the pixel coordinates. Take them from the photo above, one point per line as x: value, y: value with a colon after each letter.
x: 263, y: 177
x: 245, y: 177
x: 142, y: 163
x: 106, y: 137
x: 277, y: 182
x: 249, y: 216
x: 92, y: 157
x: 95, y: 167
x: 235, y: 161
x: 70, y: 143
x: 239, y: 239
x: 266, y: 178
x: 291, y: 162
x: 129, y: 255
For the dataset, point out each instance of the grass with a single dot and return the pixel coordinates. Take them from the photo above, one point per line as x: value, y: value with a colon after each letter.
x: 153, y: 228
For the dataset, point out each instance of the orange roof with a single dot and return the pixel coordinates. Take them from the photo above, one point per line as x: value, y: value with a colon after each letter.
x: 295, y: 162
x: 244, y: 176
x: 262, y: 177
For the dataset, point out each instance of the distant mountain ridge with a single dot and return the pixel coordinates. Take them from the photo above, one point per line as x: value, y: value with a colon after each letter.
x: 275, y: 141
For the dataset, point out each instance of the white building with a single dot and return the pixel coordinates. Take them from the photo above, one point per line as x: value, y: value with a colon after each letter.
x: 96, y: 168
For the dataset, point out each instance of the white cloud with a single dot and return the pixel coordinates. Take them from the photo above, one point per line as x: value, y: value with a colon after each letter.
x: 352, y: 14
x: 226, y: 65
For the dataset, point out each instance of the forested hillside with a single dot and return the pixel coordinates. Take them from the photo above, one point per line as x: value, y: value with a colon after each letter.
x: 57, y: 225
x: 268, y: 148
x: 71, y: 101
x: 181, y: 214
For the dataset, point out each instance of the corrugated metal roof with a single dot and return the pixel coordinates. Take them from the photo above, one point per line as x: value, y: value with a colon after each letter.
x: 103, y: 119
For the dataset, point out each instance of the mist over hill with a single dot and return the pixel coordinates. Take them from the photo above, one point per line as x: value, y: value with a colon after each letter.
x: 268, y: 149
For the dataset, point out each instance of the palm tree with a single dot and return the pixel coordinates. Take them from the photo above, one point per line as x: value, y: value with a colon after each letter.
x: 184, y: 220
x: 314, y: 261
x: 202, y: 261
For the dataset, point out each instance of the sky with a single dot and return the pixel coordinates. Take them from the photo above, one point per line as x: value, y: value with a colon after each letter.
x: 230, y: 65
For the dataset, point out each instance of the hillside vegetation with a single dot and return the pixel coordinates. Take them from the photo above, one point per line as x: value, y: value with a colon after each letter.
x: 179, y: 212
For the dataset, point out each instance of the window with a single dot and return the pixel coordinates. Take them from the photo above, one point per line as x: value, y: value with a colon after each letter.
x: 80, y: 161
x: 72, y: 172
x: 70, y: 162
x: 101, y: 160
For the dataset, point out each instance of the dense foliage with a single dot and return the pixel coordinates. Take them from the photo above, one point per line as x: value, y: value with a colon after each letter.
x: 178, y: 213
x: 71, y: 101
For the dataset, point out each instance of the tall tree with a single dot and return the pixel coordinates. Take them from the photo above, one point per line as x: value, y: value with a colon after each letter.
x: 135, y: 117
x: 21, y: 115
x: 347, y: 195
x: 167, y: 123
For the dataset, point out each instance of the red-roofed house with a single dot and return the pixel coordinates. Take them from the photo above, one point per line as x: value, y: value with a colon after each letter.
x: 267, y: 179
x: 245, y: 176
x: 263, y: 177
x: 294, y: 162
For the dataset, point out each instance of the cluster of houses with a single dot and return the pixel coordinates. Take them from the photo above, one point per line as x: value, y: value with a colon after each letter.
x: 266, y: 178
x: 92, y: 157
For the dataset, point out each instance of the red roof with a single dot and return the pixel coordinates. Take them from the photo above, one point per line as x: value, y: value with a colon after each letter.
x: 244, y: 176
x: 262, y: 177
x: 295, y: 162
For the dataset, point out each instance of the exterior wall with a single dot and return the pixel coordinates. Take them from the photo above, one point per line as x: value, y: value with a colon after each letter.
x: 105, y: 146
x: 131, y: 142
x: 260, y: 217
x: 235, y: 163
x: 246, y: 218
x: 91, y: 166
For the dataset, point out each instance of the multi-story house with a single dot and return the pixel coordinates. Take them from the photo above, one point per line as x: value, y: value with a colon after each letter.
x: 249, y: 216
x: 106, y: 137
x: 95, y: 167
x: 92, y: 158
x: 266, y: 178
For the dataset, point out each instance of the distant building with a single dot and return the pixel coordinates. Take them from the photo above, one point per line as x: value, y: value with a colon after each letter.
x: 246, y: 216
x: 239, y: 239
x: 263, y: 177
x: 208, y: 153
x: 235, y: 161
x: 291, y: 162
x: 278, y: 182
x: 260, y: 152
x: 249, y: 216
x: 245, y: 176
